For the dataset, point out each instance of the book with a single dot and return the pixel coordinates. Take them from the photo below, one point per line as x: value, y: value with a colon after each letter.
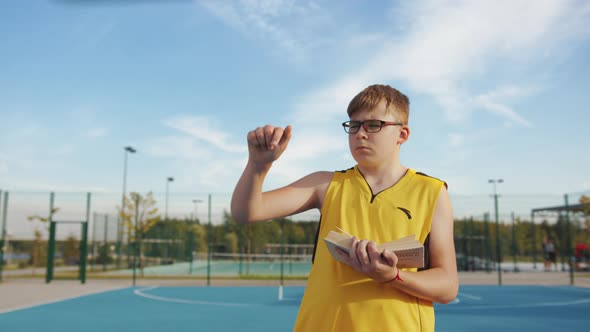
x: 410, y: 252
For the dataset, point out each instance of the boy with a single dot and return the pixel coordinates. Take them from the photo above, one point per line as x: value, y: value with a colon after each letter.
x: 378, y: 200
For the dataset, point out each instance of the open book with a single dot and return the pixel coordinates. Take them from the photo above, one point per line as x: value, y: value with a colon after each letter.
x: 409, y: 250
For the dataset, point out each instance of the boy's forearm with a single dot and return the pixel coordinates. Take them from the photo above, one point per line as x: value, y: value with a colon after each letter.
x: 436, y: 284
x: 247, y: 196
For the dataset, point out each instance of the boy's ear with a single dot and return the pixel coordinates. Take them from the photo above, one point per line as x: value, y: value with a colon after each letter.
x: 404, y: 134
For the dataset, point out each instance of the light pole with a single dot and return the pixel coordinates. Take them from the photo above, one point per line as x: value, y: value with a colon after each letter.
x: 192, y: 237
x: 165, y: 229
x: 168, y: 180
x: 126, y: 150
x: 498, y: 249
x: 195, y: 202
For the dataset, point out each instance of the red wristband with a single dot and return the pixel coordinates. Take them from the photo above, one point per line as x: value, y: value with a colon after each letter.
x: 397, y: 277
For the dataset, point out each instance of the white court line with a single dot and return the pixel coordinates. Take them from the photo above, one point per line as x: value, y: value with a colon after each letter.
x: 533, y: 305
x: 528, y: 305
x: 140, y: 292
x: 573, y: 288
x: 524, y: 305
x: 469, y: 296
x: 291, y: 299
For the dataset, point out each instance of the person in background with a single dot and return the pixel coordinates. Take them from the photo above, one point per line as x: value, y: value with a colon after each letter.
x: 549, y: 253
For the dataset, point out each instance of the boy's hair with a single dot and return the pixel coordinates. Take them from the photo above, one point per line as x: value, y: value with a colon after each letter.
x: 395, y: 101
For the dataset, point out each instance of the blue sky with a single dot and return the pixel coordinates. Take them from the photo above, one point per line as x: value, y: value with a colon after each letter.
x: 498, y: 89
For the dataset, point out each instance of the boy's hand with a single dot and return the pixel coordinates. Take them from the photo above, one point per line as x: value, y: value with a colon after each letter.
x: 266, y: 144
x: 365, y: 258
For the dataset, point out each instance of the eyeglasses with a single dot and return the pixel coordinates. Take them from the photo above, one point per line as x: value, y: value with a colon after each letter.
x: 370, y: 126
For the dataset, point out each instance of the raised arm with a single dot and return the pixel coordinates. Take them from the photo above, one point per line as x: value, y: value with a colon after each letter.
x: 250, y: 204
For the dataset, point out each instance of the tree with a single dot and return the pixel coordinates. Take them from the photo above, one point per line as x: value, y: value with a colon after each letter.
x: 200, y: 237
x: 71, y: 250
x: 36, y: 255
x: 295, y: 233
x: 586, y: 201
x: 231, y: 243
x: 147, y: 217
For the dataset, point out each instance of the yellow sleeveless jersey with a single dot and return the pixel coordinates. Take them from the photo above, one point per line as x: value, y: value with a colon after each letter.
x: 337, y: 298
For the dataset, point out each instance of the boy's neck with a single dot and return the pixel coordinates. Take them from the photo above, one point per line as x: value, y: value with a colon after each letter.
x: 384, y: 176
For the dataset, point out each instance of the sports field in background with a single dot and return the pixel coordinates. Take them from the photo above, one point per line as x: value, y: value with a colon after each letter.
x: 479, y: 308
x: 201, y: 272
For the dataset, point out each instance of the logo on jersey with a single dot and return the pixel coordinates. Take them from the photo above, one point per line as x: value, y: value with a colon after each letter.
x: 407, y: 212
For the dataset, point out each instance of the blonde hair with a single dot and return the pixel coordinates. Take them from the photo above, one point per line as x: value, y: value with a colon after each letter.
x: 371, y: 96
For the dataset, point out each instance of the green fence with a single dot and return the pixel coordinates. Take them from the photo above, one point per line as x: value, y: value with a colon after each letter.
x: 193, y: 236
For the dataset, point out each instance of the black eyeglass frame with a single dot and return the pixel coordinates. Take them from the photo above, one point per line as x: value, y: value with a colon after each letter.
x: 347, y: 125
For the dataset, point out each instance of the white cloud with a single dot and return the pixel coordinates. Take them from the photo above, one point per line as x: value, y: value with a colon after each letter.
x: 41, y: 186
x: 96, y: 132
x: 86, y: 118
x: 294, y: 31
x: 204, y: 156
x: 28, y: 130
x: 492, y: 101
x: 3, y: 166
x: 583, y: 185
x: 62, y: 150
x: 456, y: 140
x: 204, y: 129
x: 311, y: 144
x: 178, y: 147
x: 217, y: 173
x: 440, y: 49
x: 311, y: 149
x: 18, y: 159
x: 329, y: 102
x: 261, y: 18
x: 444, y: 45
x: 89, y: 32
x: 447, y: 44
x: 502, y: 110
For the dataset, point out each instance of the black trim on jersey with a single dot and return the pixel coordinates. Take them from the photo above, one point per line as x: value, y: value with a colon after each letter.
x: 346, y: 170
x: 423, y: 174
x: 426, y: 255
x: 317, y: 235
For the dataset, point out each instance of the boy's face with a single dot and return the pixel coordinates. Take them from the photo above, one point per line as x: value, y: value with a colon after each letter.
x: 374, y: 149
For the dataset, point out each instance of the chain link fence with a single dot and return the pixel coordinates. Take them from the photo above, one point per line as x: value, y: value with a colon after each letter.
x: 192, y: 235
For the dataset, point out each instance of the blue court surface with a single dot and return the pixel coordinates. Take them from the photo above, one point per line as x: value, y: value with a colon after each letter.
x: 477, y: 308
